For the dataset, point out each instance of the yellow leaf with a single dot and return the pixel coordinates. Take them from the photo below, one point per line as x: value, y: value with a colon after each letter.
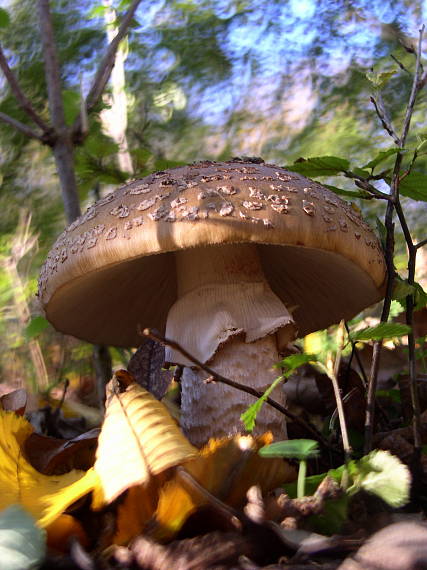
x: 138, y: 439
x: 45, y: 497
x: 227, y: 468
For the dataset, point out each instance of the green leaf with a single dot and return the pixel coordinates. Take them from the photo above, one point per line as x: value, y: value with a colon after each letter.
x: 382, y: 231
x: 396, y: 308
x: 349, y: 193
x: 22, y: 543
x: 414, y: 186
x: 319, y: 166
x: 381, y: 156
x: 249, y: 416
x: 288, y: 365
x: 380, y: 79
x: 384, y: 475
x: 292, y: 449
x: 4, y: 18
x: 381, y: 331
x: 420, y: 297
x: 36, y: 326
x: 401, y: 288
x: 294, y: 361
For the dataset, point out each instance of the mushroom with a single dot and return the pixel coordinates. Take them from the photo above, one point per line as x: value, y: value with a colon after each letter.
x: 232, y: 260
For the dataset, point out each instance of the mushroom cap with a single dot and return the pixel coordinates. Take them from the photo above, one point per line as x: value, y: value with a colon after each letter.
x: 112, y: 270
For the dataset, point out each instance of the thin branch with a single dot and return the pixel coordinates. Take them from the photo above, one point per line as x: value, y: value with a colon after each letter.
x: 421, y: 243
x: 106, y: 65
x: 19, y: 95
x: 384, y: 121
x: 242, y: 387
x: 414, y: 90
x: 53, y: 75
x: 400, y: 64
x: 24, y: 129
x: 364, y: 185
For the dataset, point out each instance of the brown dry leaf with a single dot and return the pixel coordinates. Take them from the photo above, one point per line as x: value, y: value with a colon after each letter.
x: 138, y: 439
x: 54, y: 456
x: 227, y: 468
x: 15, y: 401
x: 45, y: 497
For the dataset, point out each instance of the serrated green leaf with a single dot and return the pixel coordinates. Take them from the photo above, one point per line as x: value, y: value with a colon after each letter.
x: 22, y: 543
x: 384, y: 475
x: 380, y: 79
x: 381, y: 156
x: 4, y: 18
x: 396, y: 308
x: 289, y: 365
x: 402, y: 289
x: 36, y: 326
x: 319, y: 166
x: 292, y: 449
x: 414, y: 186
x: 249, y: 416
x: 381, y: 331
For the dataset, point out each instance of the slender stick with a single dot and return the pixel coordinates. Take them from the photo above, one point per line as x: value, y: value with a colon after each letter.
x: 24, y: 129
x: 392, y: 206
x: 218, y: 377
x: 24, y: 103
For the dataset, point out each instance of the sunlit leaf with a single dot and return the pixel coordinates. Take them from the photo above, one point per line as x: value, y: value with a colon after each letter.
x: 384, y: 475
x: 22, y: 543
x: 380, y: 79
x: 381, y: 331
x: 44, y: 497
x: 138, y: 439
x: 319, y: 166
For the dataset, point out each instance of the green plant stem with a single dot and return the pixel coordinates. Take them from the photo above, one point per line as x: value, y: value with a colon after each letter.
x: 302, y: 473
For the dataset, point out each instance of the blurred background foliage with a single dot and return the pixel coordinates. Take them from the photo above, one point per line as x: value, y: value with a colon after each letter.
x: 204, y: 79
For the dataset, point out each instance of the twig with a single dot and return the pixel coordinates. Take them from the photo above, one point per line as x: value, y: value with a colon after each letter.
x: 421, y: 243
x: 400, y: 64
x: 392, y: 206
x: 384, y: 121
x: 414, y: 90
x: 104, y: 71
x: 19, y: 95
x: 53, y: 76
x: 24, y: 129
x: 219, y: 378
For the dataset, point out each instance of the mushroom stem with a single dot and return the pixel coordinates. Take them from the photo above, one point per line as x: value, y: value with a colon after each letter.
x: 227, y: 315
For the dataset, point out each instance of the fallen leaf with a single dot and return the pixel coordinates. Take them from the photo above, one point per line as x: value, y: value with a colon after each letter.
x: 62, y: 530
x: 22, y: 544
x: 138, y: 439
x: 44, y: 497
x: 226, y: 468
x: 54, y: 456
x: 15, y: 401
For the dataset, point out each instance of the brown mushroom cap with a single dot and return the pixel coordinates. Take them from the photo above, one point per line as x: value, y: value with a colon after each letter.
x: 113, y: 270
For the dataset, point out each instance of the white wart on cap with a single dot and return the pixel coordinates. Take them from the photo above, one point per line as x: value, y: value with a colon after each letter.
x: 310, y: 261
